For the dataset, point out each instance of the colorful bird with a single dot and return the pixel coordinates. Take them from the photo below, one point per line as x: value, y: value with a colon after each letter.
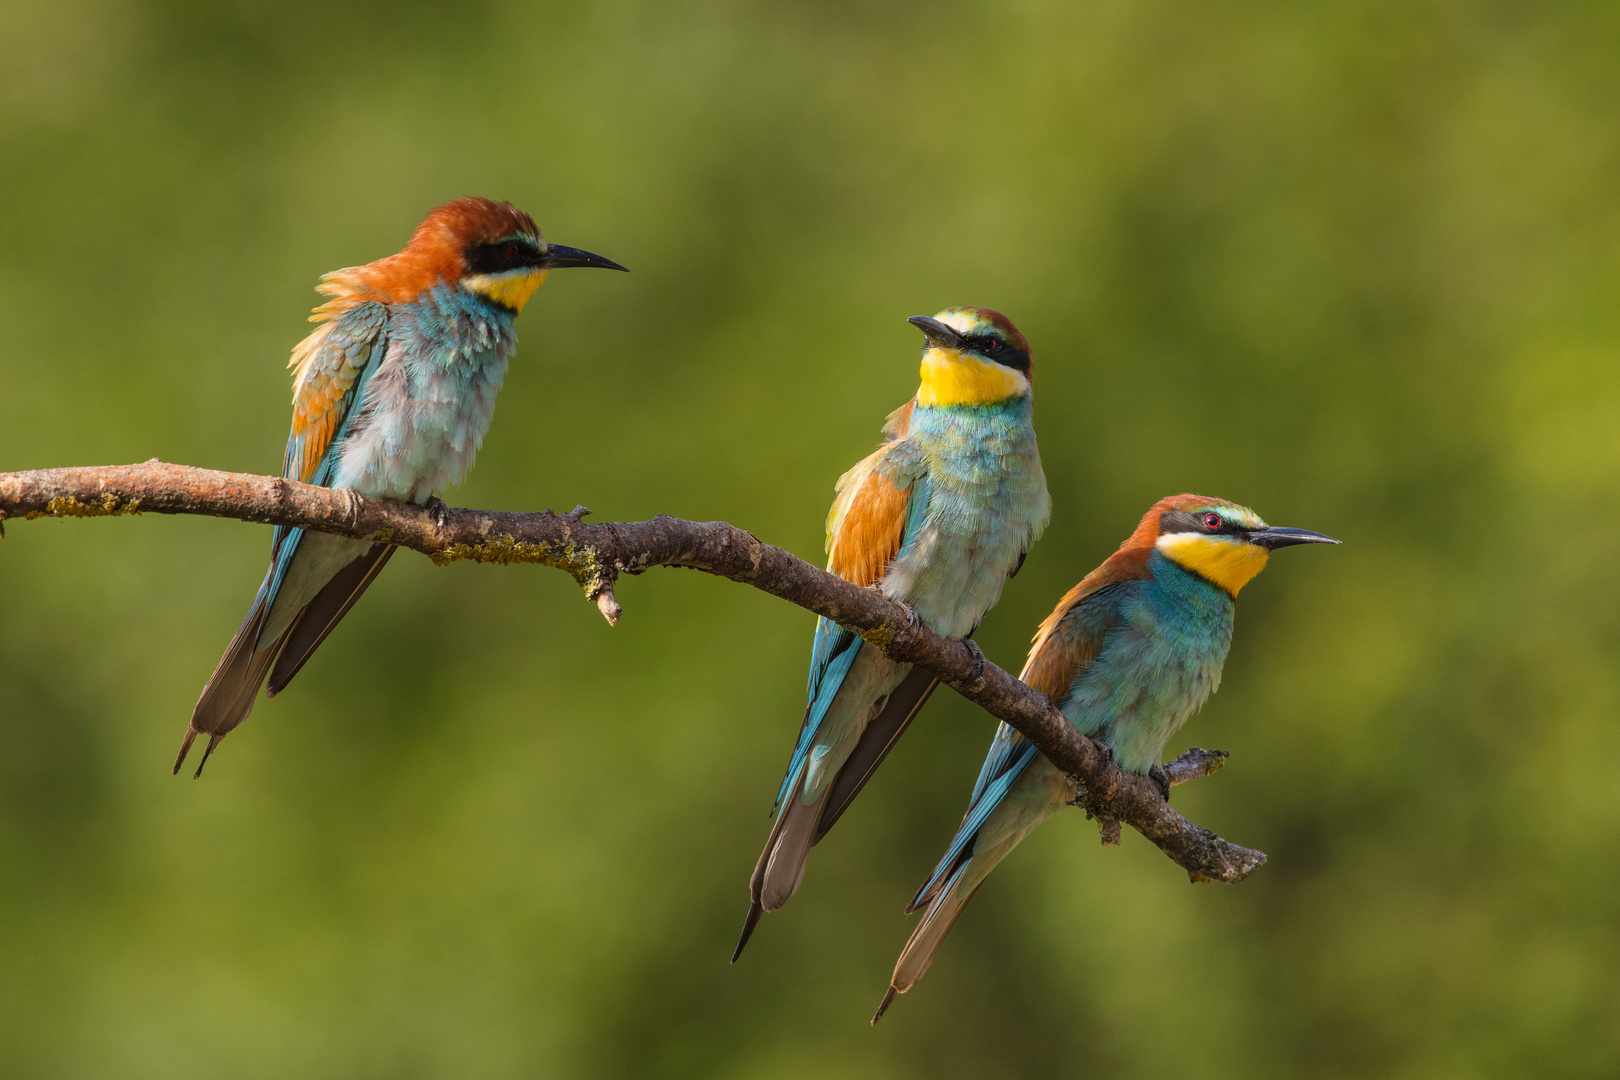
x: 392, y: 395
x: 1128, y: 655
x: 939, y: 517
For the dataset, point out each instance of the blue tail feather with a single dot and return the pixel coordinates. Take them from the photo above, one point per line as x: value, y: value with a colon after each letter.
x: 1022, y: 755
x: 832, y: 656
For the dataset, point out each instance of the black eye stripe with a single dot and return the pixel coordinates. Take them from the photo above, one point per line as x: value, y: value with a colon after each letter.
x: 501, y: 256
x: 1001, y: 352
x: 1182, y: 521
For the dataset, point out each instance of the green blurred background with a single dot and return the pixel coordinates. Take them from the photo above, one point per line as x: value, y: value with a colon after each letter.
x: 1355, y: 264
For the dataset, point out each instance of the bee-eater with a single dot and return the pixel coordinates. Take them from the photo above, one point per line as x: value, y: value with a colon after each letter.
x: 392, y: 395
x: 1128, y: 655
x: 938, y: 517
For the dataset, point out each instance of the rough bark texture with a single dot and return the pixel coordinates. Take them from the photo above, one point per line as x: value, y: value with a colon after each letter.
x: 595, y: 554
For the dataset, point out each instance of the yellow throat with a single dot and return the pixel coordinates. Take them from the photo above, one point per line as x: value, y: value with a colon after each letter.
x: 1228, y: 561
x: 511, y: 289
x: 950, y: 377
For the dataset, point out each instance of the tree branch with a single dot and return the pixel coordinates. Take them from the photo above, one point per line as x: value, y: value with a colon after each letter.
x: 595, y: 554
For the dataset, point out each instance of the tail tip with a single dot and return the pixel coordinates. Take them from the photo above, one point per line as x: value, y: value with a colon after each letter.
x: 185, y: 748
x: 883, y: 1008
x: 213, y: 741
x: 754, y: 912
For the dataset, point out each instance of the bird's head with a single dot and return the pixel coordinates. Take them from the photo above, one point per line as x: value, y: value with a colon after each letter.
x: 1218, y: 540
x: 972, y: 356
x: 493, y: 250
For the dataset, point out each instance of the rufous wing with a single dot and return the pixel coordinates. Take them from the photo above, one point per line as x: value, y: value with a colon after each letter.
x: 329, y: 367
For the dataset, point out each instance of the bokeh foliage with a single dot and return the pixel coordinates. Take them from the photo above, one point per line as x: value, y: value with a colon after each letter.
x: 1353, y: 263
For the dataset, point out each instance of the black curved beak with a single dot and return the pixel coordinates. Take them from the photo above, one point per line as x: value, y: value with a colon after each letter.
x: 1276, y: 536
x: 557, y: 255
x: 938, y: 333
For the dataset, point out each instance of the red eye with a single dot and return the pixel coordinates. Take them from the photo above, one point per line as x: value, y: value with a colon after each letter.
x: 1212, y: 521
x: 511, y: 251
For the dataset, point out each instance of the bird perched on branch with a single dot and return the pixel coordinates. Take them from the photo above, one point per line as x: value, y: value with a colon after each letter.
x: 939, y: 517
x: 392, y: 395
x: 1128, y: 655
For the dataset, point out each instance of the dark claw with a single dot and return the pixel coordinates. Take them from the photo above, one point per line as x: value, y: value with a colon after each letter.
x: 1161, y: 780
x: 440, y: 512
x: 978, y: 659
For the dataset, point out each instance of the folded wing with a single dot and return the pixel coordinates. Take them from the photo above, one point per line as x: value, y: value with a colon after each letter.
x: 1009, y: 800
x: 878, y: 508
x: 332, y: 366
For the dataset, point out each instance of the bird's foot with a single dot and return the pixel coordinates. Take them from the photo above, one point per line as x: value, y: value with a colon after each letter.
x: 1161, y: 780
x: 907, y: 632
x: 352, y: 502
x: 978, y: 661
x: 440, y: 512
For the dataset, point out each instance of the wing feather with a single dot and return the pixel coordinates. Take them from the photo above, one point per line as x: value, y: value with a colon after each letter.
x: 877, y: 507
x: 884, y: 730
x: 868, y: 518
x: 331, y: 365
x: 1068, y: 641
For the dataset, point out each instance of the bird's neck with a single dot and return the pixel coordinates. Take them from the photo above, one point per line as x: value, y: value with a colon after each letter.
x: 510, y: 290
x: 1225, y: 561
x: 450, y: 314
x: 951, y: 378
x: 1017, y: 411
x: 994, y: 433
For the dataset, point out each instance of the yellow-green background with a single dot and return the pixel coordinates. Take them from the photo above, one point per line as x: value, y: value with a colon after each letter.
x: 1355, y: 264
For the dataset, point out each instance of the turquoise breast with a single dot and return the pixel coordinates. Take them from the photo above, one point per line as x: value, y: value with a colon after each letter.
x: 986, y: 505
x: 1159, y: 664
x: 430, y: 402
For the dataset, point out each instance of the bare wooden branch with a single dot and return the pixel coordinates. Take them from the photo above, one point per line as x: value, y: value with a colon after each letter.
x: 1195, y: 764
x: 595, y: 554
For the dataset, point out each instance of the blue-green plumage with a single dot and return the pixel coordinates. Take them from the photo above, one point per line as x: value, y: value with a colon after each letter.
x: 428, y: 374
x: 938, y: 518
x: 977, y: 500
x: 1162, y: 641
x: 393, y: 393
x: 1161, y: 659
x: 1128, y: 655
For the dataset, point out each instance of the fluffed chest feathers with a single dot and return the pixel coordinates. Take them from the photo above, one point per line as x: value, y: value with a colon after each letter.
x: 985, y: 482
x: 987, y: 502
x: 431, y: 400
